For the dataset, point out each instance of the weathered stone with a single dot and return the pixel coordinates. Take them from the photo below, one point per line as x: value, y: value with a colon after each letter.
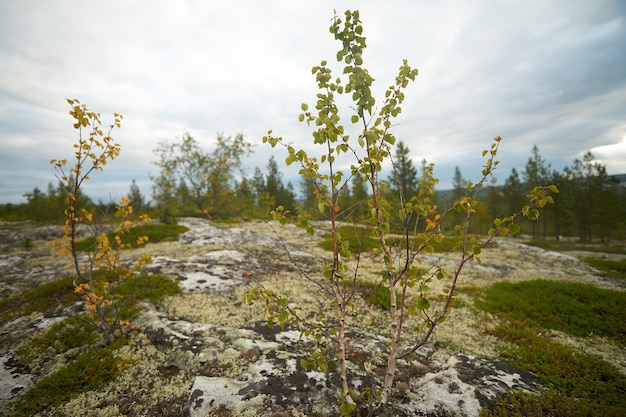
x: 15, y: 378
x: 208, y: 392
x: 251, y: 368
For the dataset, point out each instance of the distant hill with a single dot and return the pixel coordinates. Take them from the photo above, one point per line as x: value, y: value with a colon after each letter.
x: 621, y: 178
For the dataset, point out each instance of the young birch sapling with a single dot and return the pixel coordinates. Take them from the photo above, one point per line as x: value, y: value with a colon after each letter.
x: 99, y: 271
x: 402, y: 273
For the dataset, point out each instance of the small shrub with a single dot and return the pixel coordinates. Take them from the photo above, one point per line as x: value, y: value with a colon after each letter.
x: 93, y: 149
x: 27, y: 243
x: 342, y: 158
x: 167, y: 217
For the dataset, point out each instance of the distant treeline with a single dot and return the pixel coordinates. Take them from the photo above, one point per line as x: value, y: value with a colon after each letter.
x: 591, y: 205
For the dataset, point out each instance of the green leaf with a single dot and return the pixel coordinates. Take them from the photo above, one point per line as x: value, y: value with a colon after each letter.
x: 308, y: 366
x: 321, y: 206
x: 423, y: 303
x: 553, y: 188
x: 283, y: 317
x: 304, y: 106
x: 355, y: 118
x: 532, y: 214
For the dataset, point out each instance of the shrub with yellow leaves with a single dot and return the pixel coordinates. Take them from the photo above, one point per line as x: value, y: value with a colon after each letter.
x: 97, y: 274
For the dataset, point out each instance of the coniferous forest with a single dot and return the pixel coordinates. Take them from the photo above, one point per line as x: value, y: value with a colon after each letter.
x: 590, y: 207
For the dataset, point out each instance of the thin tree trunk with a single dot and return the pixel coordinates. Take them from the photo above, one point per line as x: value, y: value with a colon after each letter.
x: 342, y: 361
x: 390, y: 371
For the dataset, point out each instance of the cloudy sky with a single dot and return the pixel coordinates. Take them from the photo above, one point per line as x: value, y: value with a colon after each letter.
x: 550, y: 73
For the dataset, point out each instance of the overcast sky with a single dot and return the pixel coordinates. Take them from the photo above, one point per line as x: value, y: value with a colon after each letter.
x: 545, y: 73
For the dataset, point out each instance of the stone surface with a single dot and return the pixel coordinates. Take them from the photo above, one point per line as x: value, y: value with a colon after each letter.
x: 228, y: 358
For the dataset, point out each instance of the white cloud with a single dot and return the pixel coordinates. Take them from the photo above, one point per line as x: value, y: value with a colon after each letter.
x: 544, y: 73
x: 612, y: 155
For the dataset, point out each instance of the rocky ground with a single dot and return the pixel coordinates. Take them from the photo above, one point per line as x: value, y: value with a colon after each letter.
x: 204, y: 352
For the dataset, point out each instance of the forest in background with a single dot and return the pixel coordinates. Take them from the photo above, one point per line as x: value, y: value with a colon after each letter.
x: 192, y: 181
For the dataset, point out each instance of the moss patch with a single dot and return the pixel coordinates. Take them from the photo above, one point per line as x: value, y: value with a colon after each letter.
x: 87, y: 372
x: 615, y: 269
x: 564, y: 246
x: 578, y: 384
x: 39, y: 299
x: 156, y: 232
x: 362, y: 239
x: 574, y: 308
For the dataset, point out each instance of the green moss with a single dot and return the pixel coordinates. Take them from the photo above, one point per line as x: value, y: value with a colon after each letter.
x: 574, y: 308
x: 89, y: 371
x: 97, y: 365
x: 578, y: 384
x: 156, y: 232
x: 615, y: 269
x: 375, y: 294
x: 68, y: 334
x: 575, y: 380
x: 48, y: 296
x: 549, y: 403
x: 152, y: 288
x: 564, y: 246
x: 39, y: 299
x: 148, y: 287
x: 359, y: 239
x: 362, y: 239
x: 130, y: 290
